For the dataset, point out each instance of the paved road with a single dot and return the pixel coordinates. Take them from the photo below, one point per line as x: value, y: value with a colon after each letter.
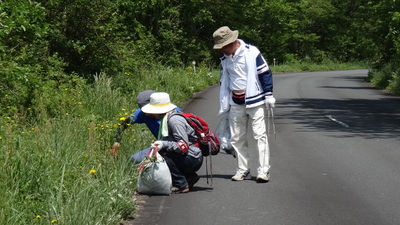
x: 335, y: 160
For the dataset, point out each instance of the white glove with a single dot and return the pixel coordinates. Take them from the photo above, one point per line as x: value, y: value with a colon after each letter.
x: 270, y: 101
x: 157, y: 143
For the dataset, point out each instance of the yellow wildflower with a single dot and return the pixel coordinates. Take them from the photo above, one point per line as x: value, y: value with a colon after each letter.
x: 92, y: 171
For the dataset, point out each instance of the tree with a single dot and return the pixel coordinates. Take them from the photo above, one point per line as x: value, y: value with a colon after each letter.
x: 24, y: 57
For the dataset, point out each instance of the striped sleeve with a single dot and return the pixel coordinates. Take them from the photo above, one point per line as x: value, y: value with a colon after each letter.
x: 264, y: 74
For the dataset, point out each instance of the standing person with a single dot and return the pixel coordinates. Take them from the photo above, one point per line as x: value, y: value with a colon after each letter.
x: 176, y: 142
x: 137, y: 117
x: 246, y: 91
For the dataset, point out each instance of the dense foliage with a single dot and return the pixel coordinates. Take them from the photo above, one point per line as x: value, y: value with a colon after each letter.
x: 45, y: 45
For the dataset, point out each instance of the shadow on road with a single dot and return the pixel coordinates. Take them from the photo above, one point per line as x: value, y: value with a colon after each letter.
x: 360, y: 117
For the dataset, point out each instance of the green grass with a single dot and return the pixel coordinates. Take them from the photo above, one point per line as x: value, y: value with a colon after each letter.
x: 59, y: 170
x: 306, y: 66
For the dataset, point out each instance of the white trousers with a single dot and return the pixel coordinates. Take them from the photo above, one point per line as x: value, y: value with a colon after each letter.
x: 239, y: 119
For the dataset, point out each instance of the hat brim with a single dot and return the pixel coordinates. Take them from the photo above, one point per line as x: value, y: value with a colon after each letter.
x: 234, y: 37
x: 153, y: 109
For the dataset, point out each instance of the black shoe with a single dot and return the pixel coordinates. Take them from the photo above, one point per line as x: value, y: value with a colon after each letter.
x: 230, y: 152
x: 192, y: 180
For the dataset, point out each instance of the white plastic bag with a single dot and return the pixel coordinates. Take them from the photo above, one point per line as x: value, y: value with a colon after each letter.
x: 154, y: 175
x: 224, y: 134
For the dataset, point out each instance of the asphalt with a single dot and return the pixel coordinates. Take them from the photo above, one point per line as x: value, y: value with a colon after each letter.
x: 334, y: 160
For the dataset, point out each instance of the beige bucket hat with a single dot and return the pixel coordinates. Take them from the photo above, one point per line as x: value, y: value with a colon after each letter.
x: 224, y: 36
x: 159, y: 103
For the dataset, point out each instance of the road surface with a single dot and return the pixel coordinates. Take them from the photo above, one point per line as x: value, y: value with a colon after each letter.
x: 335, y: 160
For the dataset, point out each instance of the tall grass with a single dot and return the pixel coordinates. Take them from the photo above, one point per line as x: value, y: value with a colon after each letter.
x: 58, y: 170
x: 61, y: 172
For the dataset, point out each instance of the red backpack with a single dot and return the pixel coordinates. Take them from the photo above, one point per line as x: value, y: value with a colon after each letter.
x: 207, y: 140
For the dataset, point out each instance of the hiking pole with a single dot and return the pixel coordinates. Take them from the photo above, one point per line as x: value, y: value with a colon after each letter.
x: 266, y: 138
x: 273, y: 120
x: 210, y: 170
x: 268, y: 120
x: 207, y: 169
x: 211, y: 176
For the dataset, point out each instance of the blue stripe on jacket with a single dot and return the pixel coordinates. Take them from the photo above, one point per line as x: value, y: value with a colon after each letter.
x: 264, y: 74
x: 254, y: 99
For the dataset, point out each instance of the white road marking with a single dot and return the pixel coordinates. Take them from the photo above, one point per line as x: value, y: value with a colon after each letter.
x: 337, y: 121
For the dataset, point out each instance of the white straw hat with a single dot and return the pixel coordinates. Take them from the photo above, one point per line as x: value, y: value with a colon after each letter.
x: 159, y: 104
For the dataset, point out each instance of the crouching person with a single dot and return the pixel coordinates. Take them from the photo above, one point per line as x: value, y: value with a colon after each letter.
x: 176, y: 142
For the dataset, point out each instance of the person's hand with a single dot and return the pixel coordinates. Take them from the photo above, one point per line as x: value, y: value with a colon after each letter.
x: 158, y: 144
x: 114, y: 151
x: 270, y: 101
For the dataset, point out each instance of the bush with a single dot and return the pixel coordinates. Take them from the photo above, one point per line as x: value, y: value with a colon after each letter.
x: 386, y: 77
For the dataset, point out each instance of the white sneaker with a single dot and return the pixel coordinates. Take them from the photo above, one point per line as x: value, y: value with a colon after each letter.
x: 263, y: 177
x: 239, y: 176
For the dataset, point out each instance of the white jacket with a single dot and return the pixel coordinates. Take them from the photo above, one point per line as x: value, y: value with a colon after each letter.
x: 259, y: 80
